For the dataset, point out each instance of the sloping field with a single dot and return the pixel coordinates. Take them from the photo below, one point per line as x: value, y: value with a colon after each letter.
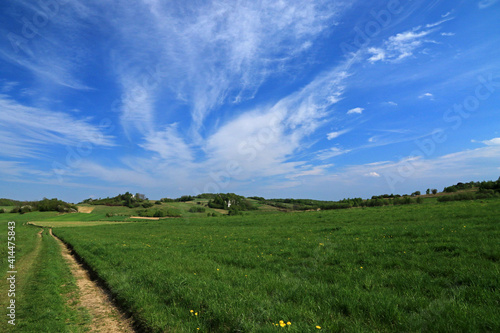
x: 85, y: 209
x: 405, y: 268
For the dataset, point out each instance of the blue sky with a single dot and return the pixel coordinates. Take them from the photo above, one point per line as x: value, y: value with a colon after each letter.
x: 305, y: 99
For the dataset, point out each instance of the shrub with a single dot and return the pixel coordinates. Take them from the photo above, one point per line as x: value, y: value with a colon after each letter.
x: 147, y: 205
x: 158, y: 202
x: 197, y: 210
x: 234, y: 211
x: 434, y: 191
x: 450, y: 189
x: 25, y: 209
x: 406, y: 200
x: 172, y: 212
x: 2, y: 211
x: 457, y: 197
x: 159, y: 213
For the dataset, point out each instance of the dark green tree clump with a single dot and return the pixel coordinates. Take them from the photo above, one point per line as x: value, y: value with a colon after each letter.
x: 127, y: 200
x: 44, y: 205
x: 232, y: 202
x: 9, y: 202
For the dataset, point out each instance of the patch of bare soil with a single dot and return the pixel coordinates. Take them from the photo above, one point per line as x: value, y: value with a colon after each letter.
x: 86, y: 210
x: 105, y: 316
x: 145, y: 218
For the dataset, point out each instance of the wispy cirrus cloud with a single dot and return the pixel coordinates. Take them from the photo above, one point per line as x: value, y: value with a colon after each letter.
x: 25, y: 130
x: 405, y: 44
x: 401, y: 45
x: 169, y: 145
x: 262, y: 141
x: 327, y: 154
x: 220, y: 52
x: 486, y: 3
x: 36, y: 45
x: 334, y: 135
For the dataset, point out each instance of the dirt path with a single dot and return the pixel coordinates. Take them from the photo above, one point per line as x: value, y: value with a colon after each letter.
x: 145, y: 218
x: 105, y: 316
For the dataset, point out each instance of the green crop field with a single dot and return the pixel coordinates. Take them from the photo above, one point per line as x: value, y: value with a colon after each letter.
x: 430, y: 267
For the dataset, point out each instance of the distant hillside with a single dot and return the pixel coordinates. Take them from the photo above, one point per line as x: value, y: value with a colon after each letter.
x: 44, y: 205
x: 9, y: 202
x: 128, y: 200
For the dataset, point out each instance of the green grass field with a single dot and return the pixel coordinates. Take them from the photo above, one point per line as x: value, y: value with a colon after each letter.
x: 431, y: 267
x: 46, y: 293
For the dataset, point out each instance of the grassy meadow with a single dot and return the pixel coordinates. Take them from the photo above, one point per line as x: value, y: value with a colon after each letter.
x: 430, y: 267
x: 46, y: 297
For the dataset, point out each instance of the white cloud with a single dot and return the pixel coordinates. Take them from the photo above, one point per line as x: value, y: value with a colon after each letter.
x: 217, y: 52
x: 447, y: 34
x: 333, y: 135
x: 7, y: 86
x: 169, y: 145
x: 115, y: 175
x: 357, y: 110
x: 486, y: 3
x: 52, y: 50
x: 492, y: 142
x: 331, y: 152
x: 426, y: 95
x: 416, y: 169
x: 261, y: 141
x: 435, y: 24
x: 311, y: 171
x: 27, y: 129
x: 372, y: 174
x: 137, y: 108
x: 392, y: 103
x: 400, y: 46
x: 378, y: 54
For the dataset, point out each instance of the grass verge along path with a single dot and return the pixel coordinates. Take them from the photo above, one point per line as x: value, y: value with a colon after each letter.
x: 46, y: 297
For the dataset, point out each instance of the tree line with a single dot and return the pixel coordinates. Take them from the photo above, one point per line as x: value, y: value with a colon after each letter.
x: 44, y: 205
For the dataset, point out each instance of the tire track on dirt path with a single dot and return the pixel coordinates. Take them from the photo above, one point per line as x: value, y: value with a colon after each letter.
x: 105, y: 316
